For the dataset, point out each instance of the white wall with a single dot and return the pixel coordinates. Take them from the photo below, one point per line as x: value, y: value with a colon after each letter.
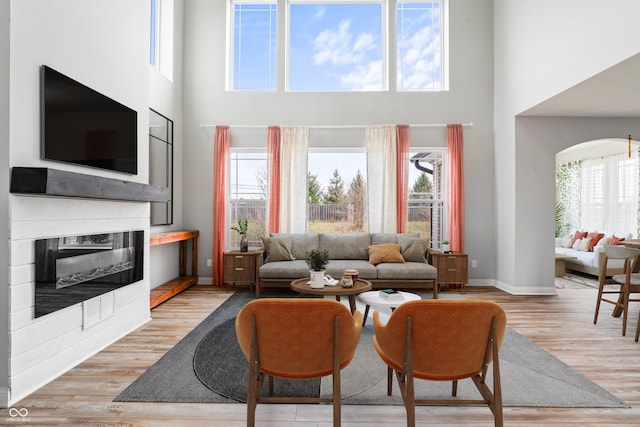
x: 104, y: 45
x: 165, y: 97
x: 4, y: 194
x: 469, y: 100
x: 537, y: 55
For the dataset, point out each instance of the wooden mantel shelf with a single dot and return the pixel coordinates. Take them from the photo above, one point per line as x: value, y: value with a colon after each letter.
x: 173, y: 287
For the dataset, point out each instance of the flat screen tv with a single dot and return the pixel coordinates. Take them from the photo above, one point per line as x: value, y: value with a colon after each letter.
x: 84, y: 127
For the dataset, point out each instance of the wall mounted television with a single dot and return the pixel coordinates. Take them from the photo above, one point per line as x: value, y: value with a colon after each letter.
x: 82, y: 126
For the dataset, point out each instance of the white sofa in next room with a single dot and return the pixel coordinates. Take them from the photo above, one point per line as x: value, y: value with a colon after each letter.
x: 588, y: 249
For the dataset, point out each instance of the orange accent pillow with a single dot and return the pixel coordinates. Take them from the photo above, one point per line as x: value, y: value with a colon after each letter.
x: 595, y: 238
x: 616, y: 240
x: 577, y: 236
x: 385, y: 252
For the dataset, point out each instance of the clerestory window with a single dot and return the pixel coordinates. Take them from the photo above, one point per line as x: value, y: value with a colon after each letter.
x: 337, y: 45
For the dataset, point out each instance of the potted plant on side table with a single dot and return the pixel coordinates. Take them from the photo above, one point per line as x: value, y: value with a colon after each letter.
x: 241, y: 228
x: 445, y: 246
x: 317, y: 262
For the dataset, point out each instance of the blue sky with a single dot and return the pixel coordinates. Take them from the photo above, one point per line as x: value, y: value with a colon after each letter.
x: 337, y: 47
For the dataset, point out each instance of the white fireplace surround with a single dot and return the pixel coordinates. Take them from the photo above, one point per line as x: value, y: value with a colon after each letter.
x: 42, y: 349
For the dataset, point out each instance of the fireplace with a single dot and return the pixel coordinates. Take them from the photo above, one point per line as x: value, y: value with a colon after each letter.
x: 72, y: 269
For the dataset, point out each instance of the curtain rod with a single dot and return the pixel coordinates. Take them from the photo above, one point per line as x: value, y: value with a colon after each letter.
x: 423, y: 125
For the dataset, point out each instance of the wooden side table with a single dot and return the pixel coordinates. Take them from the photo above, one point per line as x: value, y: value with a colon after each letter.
x: 452, y: 267
x: 242, y: 266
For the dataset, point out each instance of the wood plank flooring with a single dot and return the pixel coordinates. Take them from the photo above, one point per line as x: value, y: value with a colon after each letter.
x: 562, y: 324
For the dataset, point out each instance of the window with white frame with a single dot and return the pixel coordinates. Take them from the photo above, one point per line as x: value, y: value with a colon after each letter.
x: 248, y: 193
x: 420, y: 45
x: 427, y: 191
x: 253, y: 45
x: 161, y: 37
x: 337, y: 45
x: 609, y: 195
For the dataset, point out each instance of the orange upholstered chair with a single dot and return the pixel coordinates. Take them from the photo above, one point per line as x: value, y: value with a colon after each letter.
x: 296, y: 338
x: 443, y: 340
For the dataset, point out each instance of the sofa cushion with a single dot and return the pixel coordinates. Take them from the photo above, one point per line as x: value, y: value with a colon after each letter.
x: 278, y: 249
x: 295, y: 269
x: 407, y: 271
x: 413, y: 249
x: 595, y: 238
x: 346, y: 246
x: 301, y: 243
x: 380, y: 238
x: 577, y: 236
x: 336, y: 268
x: 386, y: 252
x: 616, y: 240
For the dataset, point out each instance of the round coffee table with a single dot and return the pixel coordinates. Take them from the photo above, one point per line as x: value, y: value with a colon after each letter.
x: 360, y: 285
x: 373, y: 298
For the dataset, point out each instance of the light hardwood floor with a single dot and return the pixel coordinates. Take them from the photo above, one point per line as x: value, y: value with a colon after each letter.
x: 562, y: 324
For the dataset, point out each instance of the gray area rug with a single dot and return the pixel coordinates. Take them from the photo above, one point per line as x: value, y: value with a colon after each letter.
x: 207, y: 366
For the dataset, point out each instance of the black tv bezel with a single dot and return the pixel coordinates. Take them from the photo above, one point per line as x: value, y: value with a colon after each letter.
x: 129, y: 167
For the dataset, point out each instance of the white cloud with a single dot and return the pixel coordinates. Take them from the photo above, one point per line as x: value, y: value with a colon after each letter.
x: 337, y: 46
x: 364, y: 77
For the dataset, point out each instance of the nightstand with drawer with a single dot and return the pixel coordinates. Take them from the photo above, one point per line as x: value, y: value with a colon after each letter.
x: 242, y: 266
x: 452, y: 267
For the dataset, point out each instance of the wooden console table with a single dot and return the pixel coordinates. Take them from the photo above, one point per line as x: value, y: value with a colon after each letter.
x: 173, y: 287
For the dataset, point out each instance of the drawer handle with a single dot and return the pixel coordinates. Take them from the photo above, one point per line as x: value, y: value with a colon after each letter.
x: 239, y: 256
x: 239, y: 268
x: 452, y: 269
x: 452, y: 257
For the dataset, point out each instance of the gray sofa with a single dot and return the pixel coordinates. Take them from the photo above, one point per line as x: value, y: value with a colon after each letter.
x: 285, y: 255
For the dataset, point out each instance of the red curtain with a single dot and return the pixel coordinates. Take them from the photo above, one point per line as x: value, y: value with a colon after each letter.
x: 456, y: 188
x: 222, y: 143
x: 273, y: 178
x: 402, y: 177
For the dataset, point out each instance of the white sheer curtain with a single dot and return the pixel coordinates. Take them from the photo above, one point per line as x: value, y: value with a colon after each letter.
x: 381, y: 178
x: 293, y: 179
x: 610, y: 188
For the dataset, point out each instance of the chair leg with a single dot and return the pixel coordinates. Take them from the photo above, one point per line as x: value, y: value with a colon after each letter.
x: 625, y: 309
x: 638, y: 327
x: 600, y: 289
x: 454, y: 388
x: 337, y: 410
x: 389, y: 381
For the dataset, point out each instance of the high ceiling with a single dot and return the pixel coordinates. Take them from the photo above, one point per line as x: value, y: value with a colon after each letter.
x: 614, y: 92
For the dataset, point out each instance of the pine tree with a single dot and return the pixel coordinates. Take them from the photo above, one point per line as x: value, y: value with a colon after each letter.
x: 421, y: 188
x: 314, y: 190
x: 356, y: 197
x: 335, y: 190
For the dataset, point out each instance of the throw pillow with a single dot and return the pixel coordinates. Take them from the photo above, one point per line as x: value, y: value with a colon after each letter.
x: 278, y: 249
x: 578, y: 235
x: 585, y: 244
x: 413, y: 249
x: 615, y: 240
x: 566, y: 241
x: 385, y: 252
x: 576, y: 245
x: 595, y: 238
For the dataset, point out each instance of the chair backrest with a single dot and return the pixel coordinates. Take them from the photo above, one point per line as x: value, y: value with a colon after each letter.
x: 295, y: 336
x: 449, y: 338
x: 620, y: 252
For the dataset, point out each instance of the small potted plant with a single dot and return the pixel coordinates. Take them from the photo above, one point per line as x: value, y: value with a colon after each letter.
x: 445, y: 246
x: 241, y: 228
x: 317, y: 262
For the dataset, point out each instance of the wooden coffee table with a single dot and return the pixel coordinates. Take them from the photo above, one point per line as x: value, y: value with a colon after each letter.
x: 360, y: 285
x: 561, y: 267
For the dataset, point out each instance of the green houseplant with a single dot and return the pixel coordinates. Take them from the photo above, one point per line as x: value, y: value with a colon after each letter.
x: 317, y: 262
x: 241, y: 227
x: 445, y: 246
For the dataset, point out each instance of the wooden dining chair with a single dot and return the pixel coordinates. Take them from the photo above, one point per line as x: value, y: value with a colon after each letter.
x: 622, y: 285
x: 443, y: 340
x: 296, y: 338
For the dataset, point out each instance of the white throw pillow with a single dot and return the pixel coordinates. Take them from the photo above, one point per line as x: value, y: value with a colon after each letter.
x: 576, y: 245
x: 566, y: 241
x: 584, y: 244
